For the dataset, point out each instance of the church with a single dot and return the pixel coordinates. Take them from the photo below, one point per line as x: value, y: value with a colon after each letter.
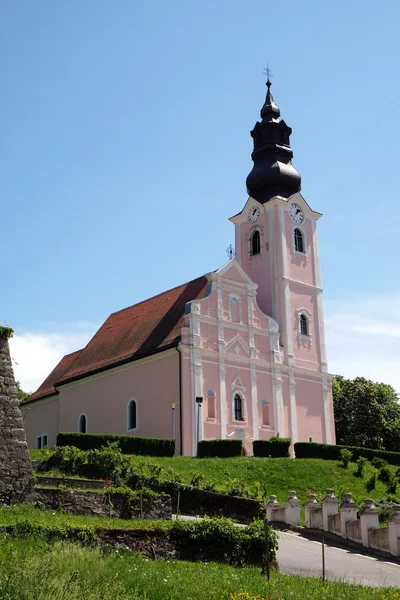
x: 236, y: 353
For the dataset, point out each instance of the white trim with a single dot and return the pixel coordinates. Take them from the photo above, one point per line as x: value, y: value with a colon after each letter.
x: 41, y: 436
x: 254, y: 401
x: 286, y: 290
x: 303, y: 233
x: 241, y: 217
x: 222, y: 398
x: 273, y: 264
x: 277, y: 390
x: 293, y: 407
x: 327, y: 412
x: 28, y: 405
x: 320, y: 305
x: 304, y: 312
x: 242, y: 396
x: 86, y: 423
x: 127, y: 415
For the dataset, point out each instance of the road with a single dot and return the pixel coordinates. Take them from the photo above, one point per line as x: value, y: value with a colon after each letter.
x: 300, y: 556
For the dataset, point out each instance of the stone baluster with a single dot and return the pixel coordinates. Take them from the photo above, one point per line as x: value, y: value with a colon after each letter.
x: 369, y: 519
x: 311, y: 505
x: 394, y: 531
x: 329, y: 507
x: 272, y: 505
x: 292, y: 511
x: 348, y: 512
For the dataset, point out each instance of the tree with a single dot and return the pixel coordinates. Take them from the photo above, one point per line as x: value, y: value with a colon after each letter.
x: 366, y: 413
x: 21, y: 395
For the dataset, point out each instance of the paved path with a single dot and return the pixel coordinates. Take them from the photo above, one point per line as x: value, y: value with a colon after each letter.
x: 300, y: 556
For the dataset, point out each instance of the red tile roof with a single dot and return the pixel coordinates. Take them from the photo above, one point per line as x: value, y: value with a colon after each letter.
x: 47, y: 387
x: 132, y: 333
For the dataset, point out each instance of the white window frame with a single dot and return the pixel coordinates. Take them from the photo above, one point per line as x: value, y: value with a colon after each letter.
x: 307, y: 315
x: 244, y: 405
x: 235, y: 297
x: 249, y: 240
x: 40, y: 437
x: 79, y: 418
x: 137, y: 415
x: 303, y: 233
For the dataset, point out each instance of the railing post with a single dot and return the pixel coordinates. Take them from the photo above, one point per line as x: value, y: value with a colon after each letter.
x: 329, y: 507
x: 272, y: 505
x: 311, y: 505
x: 369, y: 519
x: 292, y: 511
x: 394, y: 531
x: 348, y: 512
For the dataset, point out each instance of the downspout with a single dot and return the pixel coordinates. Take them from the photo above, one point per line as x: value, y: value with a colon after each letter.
x: 180, y: 404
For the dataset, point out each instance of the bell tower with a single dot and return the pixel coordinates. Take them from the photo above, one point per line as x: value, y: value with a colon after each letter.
x: 277, y: 245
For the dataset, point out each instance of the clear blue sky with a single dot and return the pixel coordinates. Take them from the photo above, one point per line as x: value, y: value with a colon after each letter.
x: 125, y: 146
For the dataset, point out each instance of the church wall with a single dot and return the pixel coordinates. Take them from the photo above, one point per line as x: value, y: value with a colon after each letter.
x: 41, y: 419
x: 265, y: 394
x: 310, y: 417
x: 305, y: 350
x: 211, y: 383
x: 105, y: 399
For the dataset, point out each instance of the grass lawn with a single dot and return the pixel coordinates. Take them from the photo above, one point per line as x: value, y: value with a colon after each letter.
x: 31, y: 569
x: 255, y: 476
x: 9, y: 515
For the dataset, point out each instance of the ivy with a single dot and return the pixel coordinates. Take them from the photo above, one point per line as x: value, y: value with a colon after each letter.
x: 6, y: 332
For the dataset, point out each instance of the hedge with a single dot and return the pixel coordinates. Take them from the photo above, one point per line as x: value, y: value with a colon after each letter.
x: 274, y: 448
x: 128, y: 444
x: 331, y: 452
x: 221, y: 448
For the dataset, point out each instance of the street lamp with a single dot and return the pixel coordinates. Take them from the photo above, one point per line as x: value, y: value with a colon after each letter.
x: 199, y: 401
x: 173, y: 419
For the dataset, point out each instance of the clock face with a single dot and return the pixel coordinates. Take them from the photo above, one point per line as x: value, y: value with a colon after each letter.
x: 253, y: 214
x: 296, y: 213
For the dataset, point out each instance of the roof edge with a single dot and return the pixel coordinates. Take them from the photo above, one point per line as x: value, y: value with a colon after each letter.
x: 119, y: 363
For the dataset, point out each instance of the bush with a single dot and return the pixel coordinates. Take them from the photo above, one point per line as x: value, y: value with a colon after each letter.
x: 331, y: 452
x: 221, y: 448
x: 345, y: 456
x: 361, y: 463
x: 371, y: 483
x: 275, y: 447
x: 128, y: 444
x: 385, y: 474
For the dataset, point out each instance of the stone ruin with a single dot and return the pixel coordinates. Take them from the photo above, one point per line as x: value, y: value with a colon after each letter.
x: 15, y: 464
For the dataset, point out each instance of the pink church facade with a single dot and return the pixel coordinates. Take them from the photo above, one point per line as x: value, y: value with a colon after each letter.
x: 247, y: 340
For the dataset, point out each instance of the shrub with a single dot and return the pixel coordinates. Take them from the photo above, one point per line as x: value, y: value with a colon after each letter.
x: 392, y: 484
x: 378, y: 462
x: 275, y: 447
x: 128, y: 444
x: 371, y: 482
x: 385, y: 474
x: 361, y: 462
x: 345, y: 456
x: 221, y: 448
x: 332, y: 452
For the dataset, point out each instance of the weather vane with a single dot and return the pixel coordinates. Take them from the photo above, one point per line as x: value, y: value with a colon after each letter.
x: 268, y: 72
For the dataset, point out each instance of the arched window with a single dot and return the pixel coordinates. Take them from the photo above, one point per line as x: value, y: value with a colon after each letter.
x: 132, y: 415
x: 237, y: 408
x: 298, y: 240
x: 234, y: 310
x: 303, y: 325
x: 82, y: 424
x: 255, y: 243
x: 265, y: 412
x: 211, y: 404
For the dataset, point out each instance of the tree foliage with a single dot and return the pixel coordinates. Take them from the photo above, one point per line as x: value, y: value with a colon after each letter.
x: 366, y: 414
x: 21, y: 395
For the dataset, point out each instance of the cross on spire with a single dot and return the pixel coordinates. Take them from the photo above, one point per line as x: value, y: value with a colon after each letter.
x: 268, y: 73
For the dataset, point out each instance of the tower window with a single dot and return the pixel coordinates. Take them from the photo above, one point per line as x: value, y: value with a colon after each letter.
x: 238, y: 408
x: 303, y: 325
x: 132, y: 415
x: 82, y: 424
x: 298, y: 240
x: 255, y: 243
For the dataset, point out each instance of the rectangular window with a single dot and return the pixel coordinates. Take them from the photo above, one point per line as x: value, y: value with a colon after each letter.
x: 211, y: 407
x: 41, y: 441
x: 265, y: 414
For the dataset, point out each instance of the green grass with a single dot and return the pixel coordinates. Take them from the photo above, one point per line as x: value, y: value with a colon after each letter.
x: 9, y: 515
x: 31, y: 569
x: 271, y: 475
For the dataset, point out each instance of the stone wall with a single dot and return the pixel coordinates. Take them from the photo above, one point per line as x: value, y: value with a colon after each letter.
x: 102, y: 504
x: 15, y: 464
